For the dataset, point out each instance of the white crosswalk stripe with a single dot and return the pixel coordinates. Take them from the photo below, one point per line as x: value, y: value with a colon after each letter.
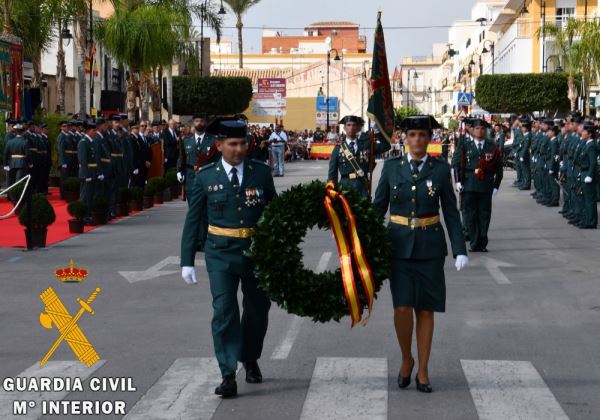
x: 347, y: 388
x: 52, y: 369
x: 510, y: 390
x: 185, y: 391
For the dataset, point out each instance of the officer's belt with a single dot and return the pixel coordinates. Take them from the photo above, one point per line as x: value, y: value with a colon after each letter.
x: 33, y: 149
x: 105, y: 160
x: 116, y: 154
x: 71, y: 152
x: 231, y: 232
x: 414, y: 221
x: 350, y: 176
x: 92, y: 165
x: 18, y: 156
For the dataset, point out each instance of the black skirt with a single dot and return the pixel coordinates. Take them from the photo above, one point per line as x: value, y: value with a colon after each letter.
x: 419, y: 283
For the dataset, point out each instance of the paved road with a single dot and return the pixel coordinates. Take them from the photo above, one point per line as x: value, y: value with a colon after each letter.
x: 521, y: 337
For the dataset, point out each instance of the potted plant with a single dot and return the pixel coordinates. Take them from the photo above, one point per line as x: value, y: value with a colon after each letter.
x: 123, y: 199
x: 173, y: 185
x: 137, y: 196
x: 100, y: 211
x: 149, y: 190
x: 78, y: 210
x: 42, y: 216
x: 71, y: 189
x: 158, y: 183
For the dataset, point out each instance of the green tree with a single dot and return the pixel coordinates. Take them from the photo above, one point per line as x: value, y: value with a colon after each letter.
x: 239, y: 8
x: 403, y: 112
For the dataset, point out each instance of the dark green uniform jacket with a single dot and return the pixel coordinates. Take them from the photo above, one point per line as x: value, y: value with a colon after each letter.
x: 215, y: 200
x: 410, y: 196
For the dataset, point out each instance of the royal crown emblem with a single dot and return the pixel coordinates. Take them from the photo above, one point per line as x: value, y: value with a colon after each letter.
x: 71, y: 274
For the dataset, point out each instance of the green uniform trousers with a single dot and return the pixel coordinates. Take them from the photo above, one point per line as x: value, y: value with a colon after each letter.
x: 235, y: 340
x: 478, y: 209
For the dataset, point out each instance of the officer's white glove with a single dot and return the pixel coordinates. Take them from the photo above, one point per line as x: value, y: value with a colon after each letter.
x: 166, y: 160
x: 179, y: 177
x: 101, y: 177
x: 136, y: 171
x: 587, y: 180
x: 561, y: 164
x: 521, y: 159
x: 495, y: 192
x: 461, y: 262
x: 550, y: 172
x: 88, y: 180
x: 459, y: 186
x: 7, y: 168
x: 64, y: 165
x: 189, y: 275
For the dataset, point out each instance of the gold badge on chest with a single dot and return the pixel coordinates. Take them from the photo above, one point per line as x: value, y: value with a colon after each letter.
x: 253, y: 196
x: 432, y: 190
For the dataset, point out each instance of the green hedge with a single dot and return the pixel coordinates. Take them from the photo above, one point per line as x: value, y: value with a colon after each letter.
x: 522, y: 93
x: 215, y: 95
x: 42, y: 213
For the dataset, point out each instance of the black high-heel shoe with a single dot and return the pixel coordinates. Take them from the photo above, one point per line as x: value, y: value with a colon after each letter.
x: 404, y: 382
x: 423, y: 387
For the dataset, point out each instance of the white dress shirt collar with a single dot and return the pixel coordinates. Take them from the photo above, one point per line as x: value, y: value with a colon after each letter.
x: 409, y: 157
x: 239, y: 167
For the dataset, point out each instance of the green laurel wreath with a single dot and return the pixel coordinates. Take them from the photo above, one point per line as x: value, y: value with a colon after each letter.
x: 278, y: 258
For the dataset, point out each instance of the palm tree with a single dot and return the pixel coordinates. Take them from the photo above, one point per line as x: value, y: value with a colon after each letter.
x: 143, y: 36
x: 239, y: 8
x: 564, y: 40
x: 6, y: 10
x: 32, y: 22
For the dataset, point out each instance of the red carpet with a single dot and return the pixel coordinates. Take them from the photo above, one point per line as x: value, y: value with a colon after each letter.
x: 12, y: 234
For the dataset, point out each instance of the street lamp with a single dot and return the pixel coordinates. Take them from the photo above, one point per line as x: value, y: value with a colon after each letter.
x: 336, y: 58
x: 492, y: 49
x: 524, y: 10
x: 558, y: 68
x: 415, y: 77
x: 202, y: 18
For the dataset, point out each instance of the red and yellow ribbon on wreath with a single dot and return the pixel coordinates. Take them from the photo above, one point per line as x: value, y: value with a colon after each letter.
x: 346, y: 251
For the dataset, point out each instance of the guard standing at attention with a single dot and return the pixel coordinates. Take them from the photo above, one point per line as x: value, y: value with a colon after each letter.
x: 480, y: 181
x: 351, y: 157
x: 231, y: 195
x: 87, y: 154
x: 414, y: 187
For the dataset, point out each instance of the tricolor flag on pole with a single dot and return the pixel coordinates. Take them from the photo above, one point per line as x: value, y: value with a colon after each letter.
x: 381, y: 105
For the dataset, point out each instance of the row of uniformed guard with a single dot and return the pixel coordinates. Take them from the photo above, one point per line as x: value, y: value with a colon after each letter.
x: 559, y: 155
x: 28, y: 150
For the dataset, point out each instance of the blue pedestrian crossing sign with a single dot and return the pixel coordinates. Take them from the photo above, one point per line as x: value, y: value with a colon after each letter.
x: 464, y: 99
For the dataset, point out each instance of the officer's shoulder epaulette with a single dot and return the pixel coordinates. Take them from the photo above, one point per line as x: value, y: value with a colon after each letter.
x: 260, y: 162
x: 439, y: 160
x: 207, y: 166
x: 393, y: 158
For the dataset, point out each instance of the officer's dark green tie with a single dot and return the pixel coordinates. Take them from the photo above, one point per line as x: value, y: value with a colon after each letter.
x: 480, y: 146
x: 235, y: 181
x: 415, y: 166
x: 352, y: 144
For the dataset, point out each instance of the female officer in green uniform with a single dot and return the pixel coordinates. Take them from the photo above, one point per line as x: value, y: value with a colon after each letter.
x: 413, y: 187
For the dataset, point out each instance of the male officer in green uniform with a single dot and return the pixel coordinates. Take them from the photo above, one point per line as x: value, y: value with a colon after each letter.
x: 67, y: 154
x: 552, y: 167
x: 119, y: 164
x: 524, y: 155
x: 45, y: 158
x: 574, y: 152
x: 197, y: 145
x: 17, y: 156
x: 87, y: 154
x: 351, y: 158
x: 517, y: 138
x: 588, y: 164
x: 231, y: 194
x: 480, y: 182
x: 543, y: 155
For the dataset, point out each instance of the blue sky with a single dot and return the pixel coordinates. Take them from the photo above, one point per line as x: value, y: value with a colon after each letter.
x: 395, y: 13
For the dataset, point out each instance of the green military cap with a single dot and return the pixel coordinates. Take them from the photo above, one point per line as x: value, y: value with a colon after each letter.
x: 228, y: 127
x: 478, y: 122
x: 419, y: 122
x: 352, y: 118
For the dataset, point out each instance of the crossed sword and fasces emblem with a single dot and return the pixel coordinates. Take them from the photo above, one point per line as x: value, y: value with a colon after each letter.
x: 56, y: 314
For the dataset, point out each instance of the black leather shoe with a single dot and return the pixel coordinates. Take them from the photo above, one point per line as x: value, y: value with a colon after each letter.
x: 404, y: 382
x: 253, y: 374
x: 228, y: 387
x: 423, y: 387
